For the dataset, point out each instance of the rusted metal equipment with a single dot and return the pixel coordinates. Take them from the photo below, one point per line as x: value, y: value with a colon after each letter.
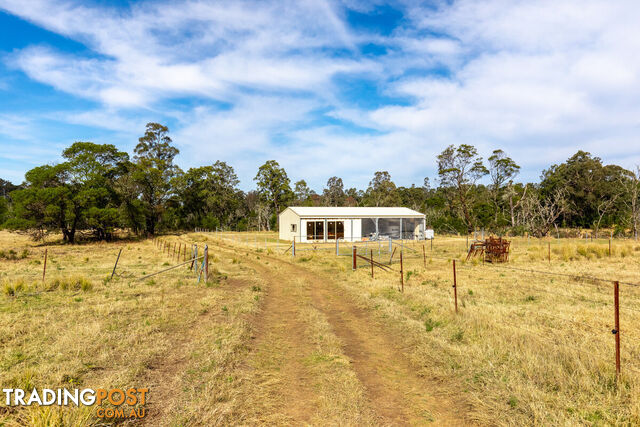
x: 494, y: 249
x: 476, y: 248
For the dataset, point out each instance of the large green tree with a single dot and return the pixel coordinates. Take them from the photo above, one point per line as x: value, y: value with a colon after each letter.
x: 381, y: 190
x: 302, y: 193
x: 92, y: 172
x: 77, y: 194
x: 43, y: 203
x: 333, y: 194
x: 587, y: 184
x: 154, y: 156
x: 208, y: 195
x: 502, y: 170
x: 273, y: 185
x: 459, y: 169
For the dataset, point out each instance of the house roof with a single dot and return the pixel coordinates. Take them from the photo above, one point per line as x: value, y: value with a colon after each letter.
x: 354, y: 212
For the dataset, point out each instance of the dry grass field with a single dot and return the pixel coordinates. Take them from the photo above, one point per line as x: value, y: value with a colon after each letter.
x: 276, y: 339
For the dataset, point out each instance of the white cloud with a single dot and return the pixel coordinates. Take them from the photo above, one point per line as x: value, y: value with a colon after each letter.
x: 537, y: 79
x: 207, y: 49
x: 15, y: 126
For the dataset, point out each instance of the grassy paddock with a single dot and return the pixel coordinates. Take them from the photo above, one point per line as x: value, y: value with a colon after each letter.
x: 79, y: 329
x: 527, y: 346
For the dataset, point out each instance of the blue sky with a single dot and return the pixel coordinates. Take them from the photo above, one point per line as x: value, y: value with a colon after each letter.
x: 325, y: 87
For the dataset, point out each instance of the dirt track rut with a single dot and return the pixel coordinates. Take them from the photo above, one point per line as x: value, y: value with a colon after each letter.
x: 397, y: 395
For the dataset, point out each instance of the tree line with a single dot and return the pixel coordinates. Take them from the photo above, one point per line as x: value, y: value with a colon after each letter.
x: 98, y: 189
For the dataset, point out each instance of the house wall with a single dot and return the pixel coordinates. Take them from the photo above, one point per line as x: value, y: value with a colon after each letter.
x: 355, y: 232
x: 285, y: 220
x: 353, y: 227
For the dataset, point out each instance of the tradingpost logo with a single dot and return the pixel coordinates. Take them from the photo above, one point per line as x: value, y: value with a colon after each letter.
x: 117, y: 397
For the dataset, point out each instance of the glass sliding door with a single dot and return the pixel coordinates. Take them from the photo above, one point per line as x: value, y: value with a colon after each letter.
x: 331, y: 230
x: 315, y: 230
x: 335, y: 230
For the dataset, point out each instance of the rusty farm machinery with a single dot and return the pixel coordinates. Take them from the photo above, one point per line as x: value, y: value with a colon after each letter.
x: 493, y: 249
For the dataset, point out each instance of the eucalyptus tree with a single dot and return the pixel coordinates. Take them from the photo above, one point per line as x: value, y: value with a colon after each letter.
x: 154, y: 156
x: 502, y: 170
x: 333, y: 194
x: 273, y: 185
x: 459, y: 168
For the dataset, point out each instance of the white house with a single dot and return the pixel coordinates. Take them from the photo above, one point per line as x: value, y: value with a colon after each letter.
x: 352, y: 224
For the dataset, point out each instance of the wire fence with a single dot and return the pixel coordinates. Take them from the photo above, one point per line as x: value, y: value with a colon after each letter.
x: 392, y: 257
x: 607, y: 298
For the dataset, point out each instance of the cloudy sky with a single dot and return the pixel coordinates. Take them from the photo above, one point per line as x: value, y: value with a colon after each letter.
x: 324, y: 87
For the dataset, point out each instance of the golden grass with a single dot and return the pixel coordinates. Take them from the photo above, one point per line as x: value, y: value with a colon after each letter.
x: 526, y: 347
x: 79, y: 329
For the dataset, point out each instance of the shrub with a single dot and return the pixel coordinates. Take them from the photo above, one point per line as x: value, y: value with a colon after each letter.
x: 582, y: 250
x: 84, y: 284
x: 19, y: 286
x: 430, y: 324
x: 8, y: 290
x: 73, y: 284
x: 458, y: 336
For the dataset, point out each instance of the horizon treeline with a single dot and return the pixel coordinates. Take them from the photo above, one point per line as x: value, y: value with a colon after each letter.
x: 98, y: 189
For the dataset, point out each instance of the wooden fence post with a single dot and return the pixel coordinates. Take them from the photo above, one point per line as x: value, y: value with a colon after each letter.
x: 455, y: 286
x: 206, y: 263
x: 424, y: 257
x: 194, y: 252
x: 44, y: 270
x: 293, y: 247
x: 616, y: 331
x: 196, y: 259
x: 116, y: 264
x: 354, y: 262
x: 609, y: 247
x: 371, y: 261
x: 401, y: 272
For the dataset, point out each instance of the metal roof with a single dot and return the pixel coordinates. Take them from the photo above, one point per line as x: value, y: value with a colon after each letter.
x: 354, y: 212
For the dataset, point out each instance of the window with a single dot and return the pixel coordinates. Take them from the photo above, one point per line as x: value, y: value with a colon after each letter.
x: 331, y: 230
x: 294, y: 228
x: 315, y: 230
x: 335, y: 230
